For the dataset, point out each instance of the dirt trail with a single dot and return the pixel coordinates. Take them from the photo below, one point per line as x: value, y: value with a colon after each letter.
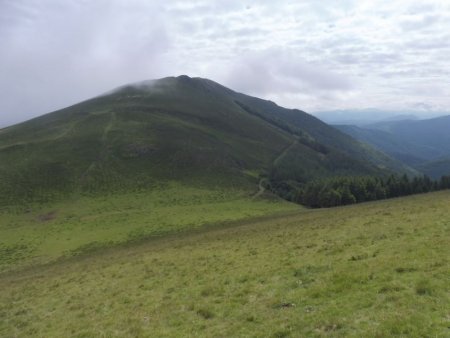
x: 108, y: 127
x: 284, y: 152
x: 261, y: 188
x: 103, y: 152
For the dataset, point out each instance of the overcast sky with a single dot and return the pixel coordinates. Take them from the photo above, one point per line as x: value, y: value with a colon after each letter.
x: 312, y: 55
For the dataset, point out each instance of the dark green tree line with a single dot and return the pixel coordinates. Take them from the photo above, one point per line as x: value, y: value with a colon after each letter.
x: 335, y: 191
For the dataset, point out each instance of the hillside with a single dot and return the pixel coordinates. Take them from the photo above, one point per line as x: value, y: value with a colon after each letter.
x: 436, y: 169
x: 391, y: 144
x: 181, y: 129
x: 39, y: 234
x: 421, y: 144
x: 362, y: 270
x: 430, y: 136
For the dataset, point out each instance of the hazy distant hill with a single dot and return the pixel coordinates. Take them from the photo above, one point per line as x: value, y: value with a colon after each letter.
x: 436, y: 169
x: 419, y: 143
x: 433, y: 133
x: 185, y: 129
x: 392, y: 144
x: 362, y: 117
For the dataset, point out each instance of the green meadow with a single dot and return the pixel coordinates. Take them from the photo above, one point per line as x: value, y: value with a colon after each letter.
x: 40, y: 233
x: 377, y: 269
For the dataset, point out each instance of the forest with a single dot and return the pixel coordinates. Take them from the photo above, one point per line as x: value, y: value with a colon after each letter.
x: 335, y: 191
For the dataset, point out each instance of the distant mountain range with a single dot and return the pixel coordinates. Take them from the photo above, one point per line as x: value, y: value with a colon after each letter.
x: 363, y: 117
x: 422, y: 144
x: 185, y: 129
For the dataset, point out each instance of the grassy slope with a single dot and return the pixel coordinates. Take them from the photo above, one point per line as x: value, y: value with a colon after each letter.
x: 130, y: 139
x: 329, y: 136
x: 375, y: 269
x: 43, y: 233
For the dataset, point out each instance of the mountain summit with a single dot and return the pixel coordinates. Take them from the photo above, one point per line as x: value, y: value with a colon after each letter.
x: 186, y: 129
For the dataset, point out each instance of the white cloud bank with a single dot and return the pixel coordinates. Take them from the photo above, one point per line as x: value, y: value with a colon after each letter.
x: 312, y: 55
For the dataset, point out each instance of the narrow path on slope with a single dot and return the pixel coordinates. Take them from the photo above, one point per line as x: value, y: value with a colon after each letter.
x: 108, y: 127
x: 284, y: 152
x: 261, y: 188
x: 103, y: 151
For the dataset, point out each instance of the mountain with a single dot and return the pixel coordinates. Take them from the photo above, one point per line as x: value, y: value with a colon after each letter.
x: 436, y: 169
x: 362, y: 117
x: 431, y: 133
x: 391, y: 144
x: 419, y: 143
x: 191, y: 130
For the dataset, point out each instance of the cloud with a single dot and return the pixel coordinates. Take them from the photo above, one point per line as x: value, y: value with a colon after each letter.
x: 419, y: 21
x: 310, y: 55
x: 423, y: 106
x: 57, y: 55
x: 277, y: 71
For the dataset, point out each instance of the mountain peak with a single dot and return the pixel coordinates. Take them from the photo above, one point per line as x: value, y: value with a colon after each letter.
x: 175, y: 128
x: 184, y: 77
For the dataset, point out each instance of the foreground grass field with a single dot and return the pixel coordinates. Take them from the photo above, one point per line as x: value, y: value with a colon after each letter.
x: 372, y: 270
x: 38, y: 234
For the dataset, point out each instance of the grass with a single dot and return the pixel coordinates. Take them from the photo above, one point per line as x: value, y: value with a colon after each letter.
x: 43, y: 233
x: 377, y: 269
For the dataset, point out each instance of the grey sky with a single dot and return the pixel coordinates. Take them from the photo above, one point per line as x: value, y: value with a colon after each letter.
x: 311, y: 55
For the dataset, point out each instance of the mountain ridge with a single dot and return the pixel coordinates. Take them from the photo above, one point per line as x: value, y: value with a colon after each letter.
x: 422, y: 144
x: 176, y: 128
